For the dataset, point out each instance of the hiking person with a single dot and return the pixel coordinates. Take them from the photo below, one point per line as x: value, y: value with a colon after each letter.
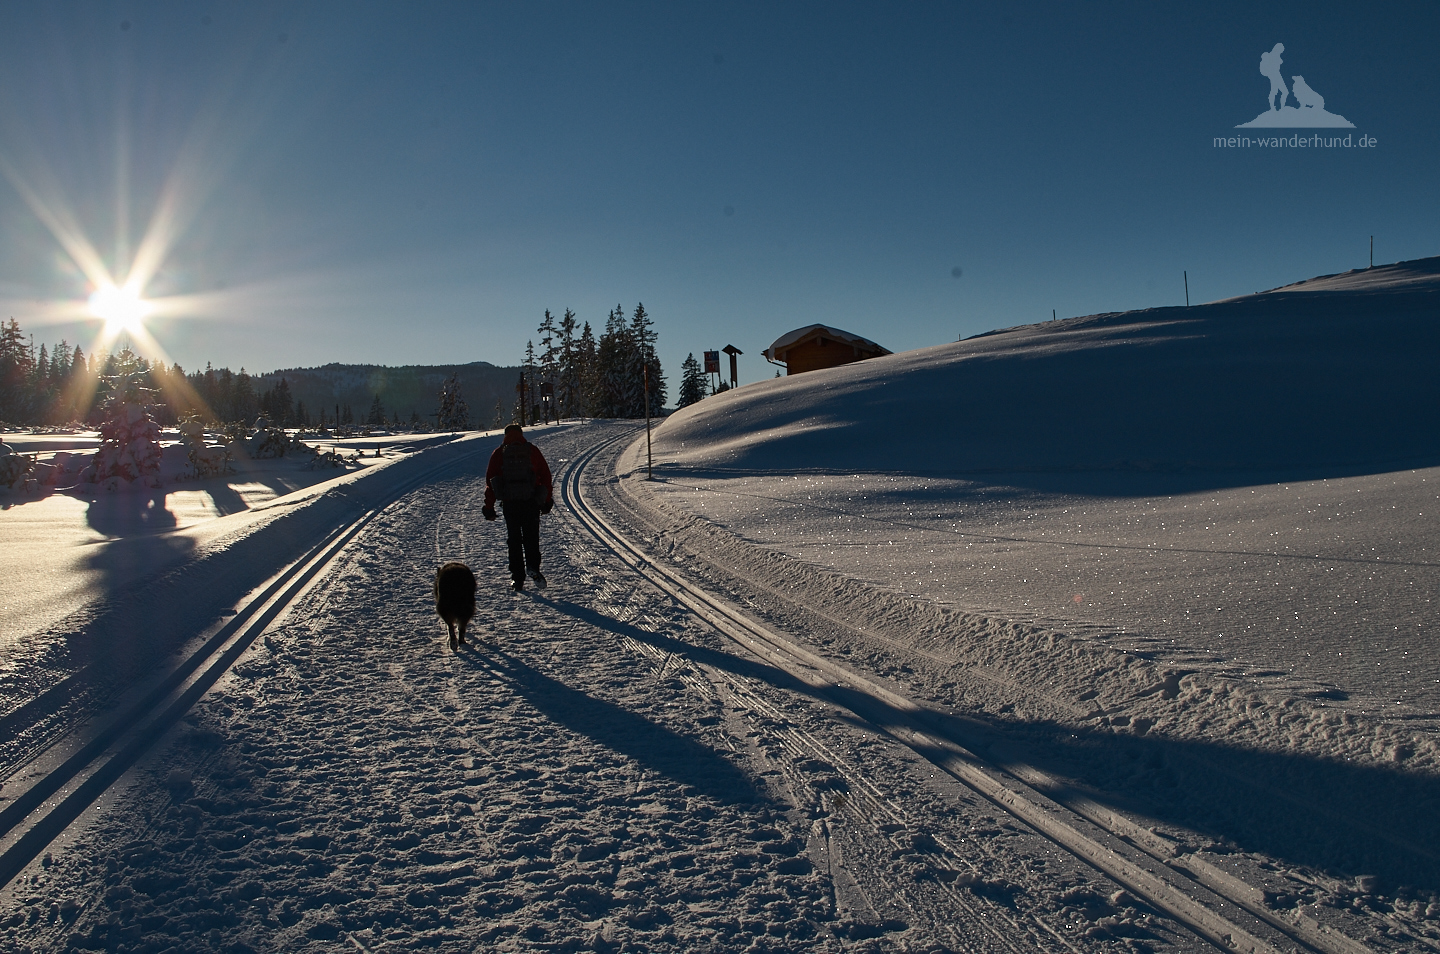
x: 1270, y: 69
x: 520, y: 478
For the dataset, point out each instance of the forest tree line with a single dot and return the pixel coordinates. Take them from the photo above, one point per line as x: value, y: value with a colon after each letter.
x: 573, y: 373
x: 60, y: 384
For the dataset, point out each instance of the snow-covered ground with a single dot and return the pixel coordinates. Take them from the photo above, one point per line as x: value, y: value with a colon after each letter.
x: 1249, y: 485
x: 1119, y: 558
x: 67, y: 545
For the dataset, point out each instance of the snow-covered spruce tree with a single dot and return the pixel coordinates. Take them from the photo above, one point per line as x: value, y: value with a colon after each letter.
x: 692, y: 381
x: 454, y: 414
x: 129, y: 436
x: 268, y: 441
x: 205, y: 460
x: 14, y: 467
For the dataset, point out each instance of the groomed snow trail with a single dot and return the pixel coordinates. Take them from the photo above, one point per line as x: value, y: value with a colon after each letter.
x: 599, y: 770
x: 569, y: 782
x: 1322, y: 826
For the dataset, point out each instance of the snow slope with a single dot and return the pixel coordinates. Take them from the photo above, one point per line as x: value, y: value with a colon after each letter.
x: 1248, y: 486
x: 1300, y: 380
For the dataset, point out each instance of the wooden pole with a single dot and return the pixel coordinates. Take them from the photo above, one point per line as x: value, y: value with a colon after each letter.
x: 649, y: 457
x: 1187, y: 288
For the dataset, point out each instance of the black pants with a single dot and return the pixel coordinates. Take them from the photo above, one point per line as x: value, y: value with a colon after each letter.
x: 522, y: 533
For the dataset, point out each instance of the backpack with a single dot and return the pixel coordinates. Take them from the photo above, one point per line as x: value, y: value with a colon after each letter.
x: 516, y: 481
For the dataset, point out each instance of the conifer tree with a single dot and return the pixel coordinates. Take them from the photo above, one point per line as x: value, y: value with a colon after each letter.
x: 587, y: 364
x: 15, y: 367
x: 285, y: 404
x: 531, y: 396
x: 76, y: 386
x: 610, y: 366
x: 224, y: 402
x: 567, y: 389
x: 244, y: 405
x: 642, y: 333
x: 376, y: 417
x: 454, y: 414
x: 692, y: 381
x: 549, y: 361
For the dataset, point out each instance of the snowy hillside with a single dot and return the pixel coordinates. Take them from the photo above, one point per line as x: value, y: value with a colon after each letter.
x: 1247, y: 485
x: 1336, y: 371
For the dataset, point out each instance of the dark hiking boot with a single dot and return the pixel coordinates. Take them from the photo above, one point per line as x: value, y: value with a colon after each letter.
x: 517, y: 585
x: 539, y: 579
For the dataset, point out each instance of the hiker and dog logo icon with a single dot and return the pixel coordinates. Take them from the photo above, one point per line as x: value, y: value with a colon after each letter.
x: 1311, y: 110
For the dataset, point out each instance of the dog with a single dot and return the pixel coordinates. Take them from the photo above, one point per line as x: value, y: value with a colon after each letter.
x: 1306, y: 96
x: 455, y: 599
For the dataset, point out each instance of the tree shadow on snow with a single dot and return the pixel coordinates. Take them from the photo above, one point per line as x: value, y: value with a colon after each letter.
x: 678, y: 757
x: 155, y: 592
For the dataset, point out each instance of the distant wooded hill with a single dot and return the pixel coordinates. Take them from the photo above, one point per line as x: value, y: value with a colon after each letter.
x: 402, y: 390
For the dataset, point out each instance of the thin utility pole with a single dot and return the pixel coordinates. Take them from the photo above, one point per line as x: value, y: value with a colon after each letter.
x: 1052, y: 315
x: 649, y: 457
x: 1372, y: 251
x: 1187, y: 288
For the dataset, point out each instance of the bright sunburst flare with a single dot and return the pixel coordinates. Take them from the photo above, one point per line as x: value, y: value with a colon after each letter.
x: 121, y: 308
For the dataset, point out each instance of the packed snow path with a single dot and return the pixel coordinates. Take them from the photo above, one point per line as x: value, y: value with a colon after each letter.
x: 600, y: 770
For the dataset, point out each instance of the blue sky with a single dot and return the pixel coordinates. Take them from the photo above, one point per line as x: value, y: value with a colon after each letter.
x: 414, y: 183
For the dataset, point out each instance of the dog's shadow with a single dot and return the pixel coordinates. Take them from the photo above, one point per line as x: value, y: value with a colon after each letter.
x: 678, y: 757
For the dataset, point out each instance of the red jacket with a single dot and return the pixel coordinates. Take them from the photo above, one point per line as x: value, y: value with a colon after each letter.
x: 544, y: 490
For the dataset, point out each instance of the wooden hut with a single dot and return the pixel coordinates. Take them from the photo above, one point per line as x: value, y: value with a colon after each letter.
x: 820, y: 346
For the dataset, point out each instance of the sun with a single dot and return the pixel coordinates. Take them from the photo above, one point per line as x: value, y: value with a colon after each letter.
x: 122, y: 309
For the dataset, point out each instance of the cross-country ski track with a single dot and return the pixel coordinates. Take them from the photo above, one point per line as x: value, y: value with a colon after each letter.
x: 675, y: 747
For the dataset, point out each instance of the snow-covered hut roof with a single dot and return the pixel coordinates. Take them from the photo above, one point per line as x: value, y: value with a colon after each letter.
x: 799, y: 334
